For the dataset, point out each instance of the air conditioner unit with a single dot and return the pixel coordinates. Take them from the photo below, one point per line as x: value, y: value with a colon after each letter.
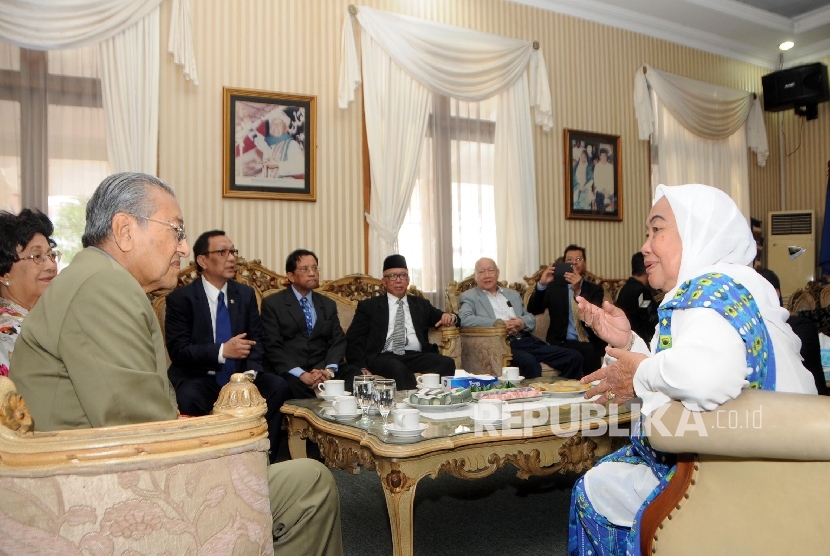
x: 791, y: 248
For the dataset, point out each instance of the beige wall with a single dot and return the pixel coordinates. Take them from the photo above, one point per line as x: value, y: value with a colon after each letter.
x: 294, y: 46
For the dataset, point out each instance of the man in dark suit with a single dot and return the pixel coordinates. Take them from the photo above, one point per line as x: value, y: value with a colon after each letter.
x: 304, y: 342
x: 565, y: 328
x: 807, y: 332
x: 388, y: 335
x: 636, y: 301
x: 213, y: 330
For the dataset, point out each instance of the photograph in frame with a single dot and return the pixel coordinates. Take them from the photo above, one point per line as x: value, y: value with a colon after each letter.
x: 593, y: 184
x: 269, y: 142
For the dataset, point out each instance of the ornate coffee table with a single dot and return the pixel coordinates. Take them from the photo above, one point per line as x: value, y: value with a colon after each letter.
x: 556, y: 440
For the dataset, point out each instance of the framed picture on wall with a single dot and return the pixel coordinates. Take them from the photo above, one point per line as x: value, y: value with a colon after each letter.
x: 269, y: 145
x: 593, y: 170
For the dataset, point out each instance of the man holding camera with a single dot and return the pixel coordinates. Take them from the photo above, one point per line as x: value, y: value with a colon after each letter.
x: 558, y: 296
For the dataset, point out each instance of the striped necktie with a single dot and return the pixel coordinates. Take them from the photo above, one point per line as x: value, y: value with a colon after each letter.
x: 397, y: 341
x: 309, y: 324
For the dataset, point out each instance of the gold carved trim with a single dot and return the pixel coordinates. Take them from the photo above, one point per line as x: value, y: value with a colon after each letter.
x: 396, y: 481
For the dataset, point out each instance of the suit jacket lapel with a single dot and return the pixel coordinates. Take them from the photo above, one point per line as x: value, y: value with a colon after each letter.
x: 317, y: 301
x: 295, y: 310
x: 201, y: 308
x: 234, y: 311
x: 484, y: 300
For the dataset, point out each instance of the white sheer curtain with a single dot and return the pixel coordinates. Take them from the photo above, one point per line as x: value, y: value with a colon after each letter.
x: 453, y: 62
x: 700, y: 132
x: 127, y: 32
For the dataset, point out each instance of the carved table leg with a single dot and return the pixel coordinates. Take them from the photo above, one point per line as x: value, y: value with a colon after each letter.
x: 399, y: 490
x: 297, y: 433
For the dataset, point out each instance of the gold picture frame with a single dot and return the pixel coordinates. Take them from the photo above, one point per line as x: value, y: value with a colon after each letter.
x: 593, y: 176
x: 270, y: 145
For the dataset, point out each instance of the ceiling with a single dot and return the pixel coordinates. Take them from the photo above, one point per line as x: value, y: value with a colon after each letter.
x: 748, y: 30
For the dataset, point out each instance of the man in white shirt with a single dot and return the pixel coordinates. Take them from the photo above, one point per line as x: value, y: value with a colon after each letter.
x: 483, y: 305
x: 388, y: 335
x: 212, y: 330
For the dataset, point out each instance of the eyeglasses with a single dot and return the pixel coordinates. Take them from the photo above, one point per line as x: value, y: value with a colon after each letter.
x: 224, y: 252
x: 40, y: 258
x: 574, y: 260
x: 307, y: 269
x: 397, y: 276
x: 180, y: 233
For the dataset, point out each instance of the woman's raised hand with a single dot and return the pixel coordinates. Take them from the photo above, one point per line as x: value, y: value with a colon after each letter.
x: 608, y: 322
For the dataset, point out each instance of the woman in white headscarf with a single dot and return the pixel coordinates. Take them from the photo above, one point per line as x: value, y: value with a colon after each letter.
x: 721, y: 330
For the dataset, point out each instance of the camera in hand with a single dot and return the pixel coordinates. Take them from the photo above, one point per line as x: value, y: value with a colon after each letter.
x: 559, y: 270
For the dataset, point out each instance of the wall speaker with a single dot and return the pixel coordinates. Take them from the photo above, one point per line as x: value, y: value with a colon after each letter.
x: 795, y: 87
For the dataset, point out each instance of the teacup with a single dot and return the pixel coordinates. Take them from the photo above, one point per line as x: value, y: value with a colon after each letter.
x: 429, y: 380
x: 332, y: 387
x: 407, y: 419
x: 488, y: 410
x: 344, y: 405
x: 510, y: 373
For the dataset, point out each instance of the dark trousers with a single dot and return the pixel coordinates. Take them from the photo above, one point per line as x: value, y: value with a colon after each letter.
x: 403, y: 367
x: 591, y: 354
x: 299, y: 389
x: 196, y: 395
x: 529, y: 352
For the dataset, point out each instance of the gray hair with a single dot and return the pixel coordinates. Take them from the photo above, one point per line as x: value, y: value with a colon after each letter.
x: 127, y: 192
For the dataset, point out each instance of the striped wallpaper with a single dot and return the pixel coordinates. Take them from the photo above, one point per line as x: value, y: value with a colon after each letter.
x: 294, y: 46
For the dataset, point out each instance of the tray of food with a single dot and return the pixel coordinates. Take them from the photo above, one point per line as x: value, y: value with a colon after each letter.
x: 523, y: 394
x: 561, y: 388
x: 438, y: 399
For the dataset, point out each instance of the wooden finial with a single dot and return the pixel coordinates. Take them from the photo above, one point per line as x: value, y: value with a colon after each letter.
x: 352, y: 9
x: 535, y: 45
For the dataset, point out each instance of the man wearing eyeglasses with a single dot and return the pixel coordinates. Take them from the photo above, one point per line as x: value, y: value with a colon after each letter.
x: 388, y: 335
x: 482, y: 305
x: 213, y: 330
x: 92, y: 352
x: 558, y: 296
x: 304, y: 341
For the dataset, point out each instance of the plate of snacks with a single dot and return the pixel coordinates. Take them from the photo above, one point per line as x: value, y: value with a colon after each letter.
x: 438, y: 399
x: 561, y: 388
x: 509, y: 395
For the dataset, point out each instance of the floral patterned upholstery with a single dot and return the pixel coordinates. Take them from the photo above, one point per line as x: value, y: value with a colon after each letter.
x: 191, y: 486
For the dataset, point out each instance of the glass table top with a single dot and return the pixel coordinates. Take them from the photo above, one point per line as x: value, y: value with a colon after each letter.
x: 562, y: 415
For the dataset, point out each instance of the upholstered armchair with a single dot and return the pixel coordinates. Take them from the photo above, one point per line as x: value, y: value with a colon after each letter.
x: 484, y: 350
x: 191, y: 486
x: 751, y: 478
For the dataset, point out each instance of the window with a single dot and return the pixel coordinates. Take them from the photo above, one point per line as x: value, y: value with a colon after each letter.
x: 451, y: 219
x: 53, y: 150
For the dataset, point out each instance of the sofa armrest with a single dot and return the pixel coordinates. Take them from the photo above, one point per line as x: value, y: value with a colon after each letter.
x: 757, y: 424
x: 484, y: 349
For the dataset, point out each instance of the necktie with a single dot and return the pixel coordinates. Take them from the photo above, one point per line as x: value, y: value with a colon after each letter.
x: 307, y: 312
x: 223, y: 334
x: 397, y: 341
x: 581, y: 335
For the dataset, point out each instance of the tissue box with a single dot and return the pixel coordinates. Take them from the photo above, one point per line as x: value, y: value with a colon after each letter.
x: 467, y: 381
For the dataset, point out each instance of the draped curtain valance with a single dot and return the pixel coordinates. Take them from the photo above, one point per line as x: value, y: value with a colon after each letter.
x: 405, y: 61
x: 707, y: 110
x: 55, y: 25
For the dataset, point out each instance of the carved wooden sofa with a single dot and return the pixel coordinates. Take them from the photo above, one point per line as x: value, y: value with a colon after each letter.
x: 346, y: 292
x: 755, y: 484
x: 190, y: 486
x: 484, y: 350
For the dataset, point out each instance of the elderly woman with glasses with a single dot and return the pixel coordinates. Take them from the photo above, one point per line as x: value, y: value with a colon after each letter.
x: 27, y: 265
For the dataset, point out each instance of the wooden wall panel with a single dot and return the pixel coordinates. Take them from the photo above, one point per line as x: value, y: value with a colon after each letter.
x: 294, y: 46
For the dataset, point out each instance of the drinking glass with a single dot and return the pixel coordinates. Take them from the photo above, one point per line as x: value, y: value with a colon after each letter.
x: 362, y: 388
x: 384, y: 396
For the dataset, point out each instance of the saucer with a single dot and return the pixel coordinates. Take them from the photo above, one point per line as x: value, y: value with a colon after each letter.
x: 342, y: 416
x: 516, y: 380
x: 488, y: 422
x: 395, y: 431
x: 331, y: 397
